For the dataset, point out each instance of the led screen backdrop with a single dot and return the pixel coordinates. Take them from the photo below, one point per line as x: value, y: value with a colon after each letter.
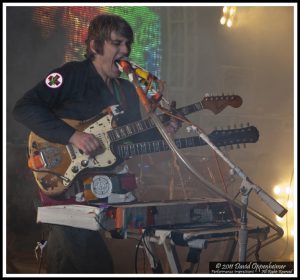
x: 74, y: 21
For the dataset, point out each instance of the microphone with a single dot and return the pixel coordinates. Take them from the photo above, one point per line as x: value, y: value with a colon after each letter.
x: 142, y: 73
x: 144, y: 76
x: 124, y: 62
x: 124, y: 65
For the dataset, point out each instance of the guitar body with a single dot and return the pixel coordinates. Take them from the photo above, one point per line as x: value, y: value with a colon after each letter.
x: 55, y: 166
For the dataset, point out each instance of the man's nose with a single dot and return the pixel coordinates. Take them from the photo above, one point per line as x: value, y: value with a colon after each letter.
x: 124, y: 49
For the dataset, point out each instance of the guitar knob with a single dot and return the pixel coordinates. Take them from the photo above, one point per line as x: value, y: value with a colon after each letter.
x: 34, y: 145
x: 74, y: 169
x: 84, y: 163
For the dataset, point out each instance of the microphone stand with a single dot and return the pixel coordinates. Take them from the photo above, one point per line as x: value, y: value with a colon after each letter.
x: 246, y: 187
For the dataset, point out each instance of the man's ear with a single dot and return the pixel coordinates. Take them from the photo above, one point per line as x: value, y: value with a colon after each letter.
x: 92, y: 46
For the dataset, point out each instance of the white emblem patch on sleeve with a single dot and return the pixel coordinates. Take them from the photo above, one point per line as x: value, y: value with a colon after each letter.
x: 54, y: 80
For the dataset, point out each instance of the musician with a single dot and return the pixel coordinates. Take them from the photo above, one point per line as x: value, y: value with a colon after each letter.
x: 80, y: 90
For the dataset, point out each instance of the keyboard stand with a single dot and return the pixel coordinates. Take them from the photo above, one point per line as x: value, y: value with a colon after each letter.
x: 196, y: 240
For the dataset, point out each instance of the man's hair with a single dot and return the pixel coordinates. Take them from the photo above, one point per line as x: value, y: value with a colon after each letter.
x: 100, y: 29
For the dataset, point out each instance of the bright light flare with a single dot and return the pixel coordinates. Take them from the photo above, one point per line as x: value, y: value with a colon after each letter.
x: 229, y: 23
x: 232, y: 11
x: 223, y: 20
x: 277, y: 190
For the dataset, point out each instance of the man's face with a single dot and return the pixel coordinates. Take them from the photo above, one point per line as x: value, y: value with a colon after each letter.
x: 113, y: 49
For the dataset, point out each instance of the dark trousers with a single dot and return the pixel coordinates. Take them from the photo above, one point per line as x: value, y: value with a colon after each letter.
x: 74, y: 250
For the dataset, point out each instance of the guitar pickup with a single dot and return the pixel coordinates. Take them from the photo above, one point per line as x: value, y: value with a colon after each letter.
x: 37, y: 161
x: 71, y: 151
x: 116, y: 110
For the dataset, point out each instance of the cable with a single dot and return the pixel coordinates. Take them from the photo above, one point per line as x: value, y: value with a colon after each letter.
x: 148, y: 249
x: 136, y: 254
x: 258, y: 246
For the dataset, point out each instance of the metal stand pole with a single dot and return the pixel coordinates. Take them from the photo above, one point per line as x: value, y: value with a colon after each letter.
x: 243, y: 233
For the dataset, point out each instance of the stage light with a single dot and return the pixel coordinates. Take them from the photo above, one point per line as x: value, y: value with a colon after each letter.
x: 223, y: 20
x: 228, y: 16
x: 277, y: 190
x: 232, y: 11
x: 284, y: 195
x: 229, y: 22
x: 290, y: 204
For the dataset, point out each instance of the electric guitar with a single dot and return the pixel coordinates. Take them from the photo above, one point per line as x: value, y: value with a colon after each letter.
x: 54, y: 182
x: 55, y: 166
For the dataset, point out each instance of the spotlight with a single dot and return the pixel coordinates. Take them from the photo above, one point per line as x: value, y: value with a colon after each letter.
x: 228, y: 16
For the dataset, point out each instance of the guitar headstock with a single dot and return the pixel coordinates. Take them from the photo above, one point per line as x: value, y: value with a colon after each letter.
x: 217, y: 103
x: 237, y: 136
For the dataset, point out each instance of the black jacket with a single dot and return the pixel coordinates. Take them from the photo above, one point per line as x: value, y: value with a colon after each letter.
x: 73, y: 91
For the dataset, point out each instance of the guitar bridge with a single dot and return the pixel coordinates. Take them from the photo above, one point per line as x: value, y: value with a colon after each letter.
x: 48, y: 157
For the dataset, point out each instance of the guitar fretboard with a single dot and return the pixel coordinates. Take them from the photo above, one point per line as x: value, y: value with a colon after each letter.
x: 190, y: 108
x: 128, y: 150
x: 218, y: 137
x: 128, y: 130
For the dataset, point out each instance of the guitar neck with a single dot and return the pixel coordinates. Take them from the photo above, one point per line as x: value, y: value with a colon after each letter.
x: 218, y: 137
x: 190, y: 108
x: 131, y: 129
x: 128, y: 150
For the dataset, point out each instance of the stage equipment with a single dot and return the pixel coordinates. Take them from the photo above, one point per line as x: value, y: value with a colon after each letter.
x: 246, y: 186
